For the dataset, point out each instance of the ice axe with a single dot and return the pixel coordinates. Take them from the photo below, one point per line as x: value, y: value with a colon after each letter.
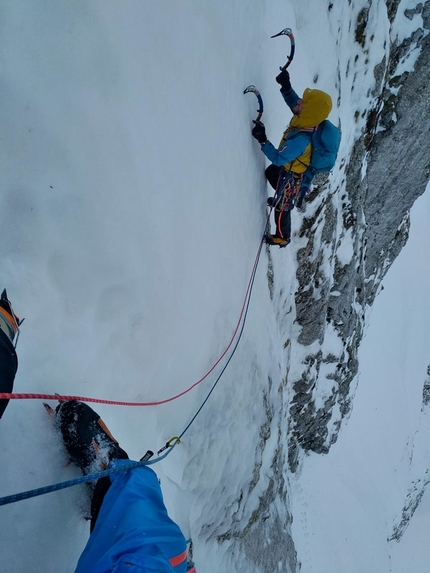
x: 255, y: 91
x: 287, y: 32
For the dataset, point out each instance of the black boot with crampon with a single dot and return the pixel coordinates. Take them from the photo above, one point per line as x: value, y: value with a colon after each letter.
x: 90, y: 446
x: 88, y: 441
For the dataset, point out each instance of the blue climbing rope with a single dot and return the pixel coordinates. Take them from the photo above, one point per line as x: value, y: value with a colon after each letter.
x: 76, y: 481
x: 254, y: 271
x: 116, y: 469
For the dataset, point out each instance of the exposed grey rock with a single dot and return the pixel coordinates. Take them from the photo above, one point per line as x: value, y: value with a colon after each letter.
x: 392, y: 6
x: 426, y: 389
x: 375, y: 211
x: 419, y: 485
x: 266, y: 537
x: 413, y: 500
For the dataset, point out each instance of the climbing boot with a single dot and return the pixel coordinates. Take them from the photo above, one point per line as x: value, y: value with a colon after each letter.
x: 274, y: 240
x: 88, y: 441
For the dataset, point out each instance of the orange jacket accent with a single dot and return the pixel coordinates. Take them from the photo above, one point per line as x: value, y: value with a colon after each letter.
x: 178, y: 559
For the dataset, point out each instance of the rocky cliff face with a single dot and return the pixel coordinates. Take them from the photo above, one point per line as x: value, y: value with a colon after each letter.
x: 388, y: 169
x: 356, y: 224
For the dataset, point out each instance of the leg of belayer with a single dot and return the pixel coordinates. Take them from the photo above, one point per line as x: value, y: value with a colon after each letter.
x: 133, y: 529
x: 8, y: 358
x: 130, y: 526
x: 8, y: 368
x: 102, y: 487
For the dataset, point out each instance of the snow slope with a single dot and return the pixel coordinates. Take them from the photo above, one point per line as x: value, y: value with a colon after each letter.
x: 133, y: 205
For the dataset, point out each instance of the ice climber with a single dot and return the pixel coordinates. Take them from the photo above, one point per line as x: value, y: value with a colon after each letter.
x: 289, y: 162
x: 9, y: 324
x: 130, y: 528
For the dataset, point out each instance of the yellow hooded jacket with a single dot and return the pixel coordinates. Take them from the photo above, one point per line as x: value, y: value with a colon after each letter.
x: 316, y: 107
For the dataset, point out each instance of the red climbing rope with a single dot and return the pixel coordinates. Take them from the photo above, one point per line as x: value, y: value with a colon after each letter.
x: 61, y: 398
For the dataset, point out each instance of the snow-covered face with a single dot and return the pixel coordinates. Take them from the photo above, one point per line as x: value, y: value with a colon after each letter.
x: 298, y: 109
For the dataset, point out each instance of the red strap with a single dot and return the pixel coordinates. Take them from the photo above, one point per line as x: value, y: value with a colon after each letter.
x: 178, y: 559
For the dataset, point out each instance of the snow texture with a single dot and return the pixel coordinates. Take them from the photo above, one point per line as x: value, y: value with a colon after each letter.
x: 133, y: 204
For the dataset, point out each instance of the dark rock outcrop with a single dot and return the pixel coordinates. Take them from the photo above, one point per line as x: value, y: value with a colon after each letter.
x: 372, y: 213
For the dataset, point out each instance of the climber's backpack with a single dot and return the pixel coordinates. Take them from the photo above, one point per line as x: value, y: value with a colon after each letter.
x: 325, y: 142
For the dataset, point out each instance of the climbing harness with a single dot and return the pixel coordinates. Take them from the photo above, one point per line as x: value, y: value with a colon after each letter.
x: 288, y: 188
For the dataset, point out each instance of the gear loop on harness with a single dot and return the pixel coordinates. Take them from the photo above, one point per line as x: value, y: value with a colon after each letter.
x: 289, y: 188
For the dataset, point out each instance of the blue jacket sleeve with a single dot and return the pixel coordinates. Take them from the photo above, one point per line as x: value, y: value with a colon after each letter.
x: 290, y: 97
x: 288, y: 151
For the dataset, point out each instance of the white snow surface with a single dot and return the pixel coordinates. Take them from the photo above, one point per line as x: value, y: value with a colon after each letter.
x: 133, y: 203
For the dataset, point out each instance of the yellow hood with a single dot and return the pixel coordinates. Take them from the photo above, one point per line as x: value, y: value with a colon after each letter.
x: 316, y: 107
